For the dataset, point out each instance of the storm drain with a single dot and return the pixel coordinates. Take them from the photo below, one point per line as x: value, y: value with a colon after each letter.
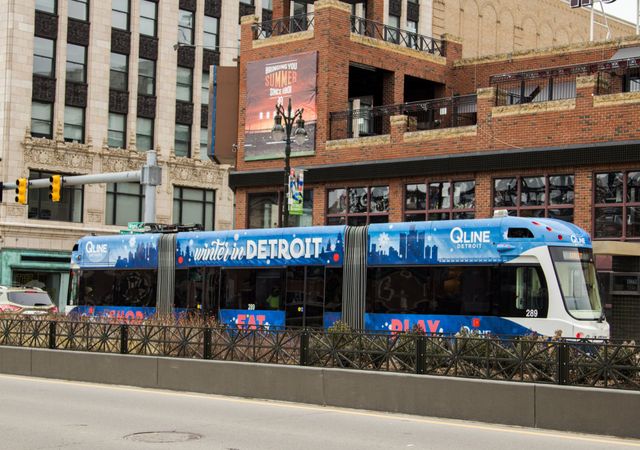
x: 162, y: 437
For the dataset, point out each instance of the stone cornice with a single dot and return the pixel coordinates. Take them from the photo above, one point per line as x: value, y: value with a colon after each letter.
x: 444, y: 133
x: 360, y: 141
x: 534, y: 108
x: 282, y: 39
x: 623, y: 98
x: 321, y: 4
x: 406, y: 51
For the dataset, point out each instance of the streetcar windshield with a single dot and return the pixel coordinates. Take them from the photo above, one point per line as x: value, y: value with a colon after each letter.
x: 577, y: 276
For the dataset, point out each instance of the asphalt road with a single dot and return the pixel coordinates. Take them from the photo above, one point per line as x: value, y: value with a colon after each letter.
x: 48, y: 414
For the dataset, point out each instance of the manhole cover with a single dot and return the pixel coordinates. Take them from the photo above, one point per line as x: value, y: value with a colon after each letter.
x: 162, y: 437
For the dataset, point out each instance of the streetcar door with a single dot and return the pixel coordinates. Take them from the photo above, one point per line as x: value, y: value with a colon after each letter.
x: 305, y: 296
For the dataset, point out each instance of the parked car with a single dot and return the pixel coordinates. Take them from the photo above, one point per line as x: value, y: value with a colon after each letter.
x: 25, y: 300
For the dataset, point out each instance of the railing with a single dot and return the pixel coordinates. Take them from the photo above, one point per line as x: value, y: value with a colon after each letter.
x: 612, y: 76
x: 394, y: 35
x: 284, y: 25
x: 525, y: 359
x: 447, y: 112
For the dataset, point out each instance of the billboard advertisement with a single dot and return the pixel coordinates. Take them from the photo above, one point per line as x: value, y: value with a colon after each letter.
x: 275, y: 81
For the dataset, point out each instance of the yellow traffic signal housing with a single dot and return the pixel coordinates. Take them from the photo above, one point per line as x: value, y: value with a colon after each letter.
x: 21, y: 190
x: 55, y: 188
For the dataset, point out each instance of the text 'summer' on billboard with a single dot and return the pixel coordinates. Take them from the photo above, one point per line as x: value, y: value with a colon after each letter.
x: 276, y: 80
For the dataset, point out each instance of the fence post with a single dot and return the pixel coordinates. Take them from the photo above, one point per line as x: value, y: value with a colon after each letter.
x: 207, y: 343
x: 563, y: 363
x: 421, y: 353
x: 52, y: 334
x: 124, y: 339
x: 304, y: 348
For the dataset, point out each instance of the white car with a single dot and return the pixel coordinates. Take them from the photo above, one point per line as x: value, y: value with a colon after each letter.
x: 25, y: 300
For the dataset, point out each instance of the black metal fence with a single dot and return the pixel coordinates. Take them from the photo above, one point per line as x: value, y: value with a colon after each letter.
x: 447, y: 112
x: 525, y: 359
x: 284, y: 25
x: 394, y: 35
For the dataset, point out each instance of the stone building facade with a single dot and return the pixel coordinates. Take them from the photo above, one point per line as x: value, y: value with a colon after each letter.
x: 407, y: 132
x: 89, y: 86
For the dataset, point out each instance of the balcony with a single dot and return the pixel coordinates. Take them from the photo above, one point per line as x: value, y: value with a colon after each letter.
x: 558, y: 83
x: 283, y: 26
x: 409, y: 39
x: 423, y: 115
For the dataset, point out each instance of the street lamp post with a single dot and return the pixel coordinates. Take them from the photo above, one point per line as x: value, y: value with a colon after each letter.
x: 278, y: 133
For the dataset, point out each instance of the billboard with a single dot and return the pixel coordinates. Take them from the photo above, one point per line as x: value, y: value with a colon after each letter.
x: 276, y: 80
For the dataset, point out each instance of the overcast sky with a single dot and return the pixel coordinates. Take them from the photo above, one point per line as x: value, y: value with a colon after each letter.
x: 625, y: 9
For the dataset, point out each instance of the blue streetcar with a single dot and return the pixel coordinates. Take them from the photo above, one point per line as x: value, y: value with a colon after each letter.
x: 507, y: 276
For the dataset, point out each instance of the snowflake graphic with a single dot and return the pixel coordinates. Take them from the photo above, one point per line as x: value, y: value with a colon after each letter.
x: 132, y: 242
x: 384, y: 242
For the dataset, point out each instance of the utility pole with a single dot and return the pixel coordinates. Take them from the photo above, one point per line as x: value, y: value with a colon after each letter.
x: 149, y: 176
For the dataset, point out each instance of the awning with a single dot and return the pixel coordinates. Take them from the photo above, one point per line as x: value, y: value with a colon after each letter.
x: 616, y: 248
x: 628, y: 52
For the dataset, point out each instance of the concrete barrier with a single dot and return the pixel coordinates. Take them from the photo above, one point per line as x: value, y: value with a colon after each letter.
x: 589, y: 410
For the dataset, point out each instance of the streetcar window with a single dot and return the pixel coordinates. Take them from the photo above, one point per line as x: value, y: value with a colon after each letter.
x: 522, y: 292
x: 134, y: 288
x: 519, y: 233
x: 333, y: 290
x: 253, y: 289
x: 197, y: 288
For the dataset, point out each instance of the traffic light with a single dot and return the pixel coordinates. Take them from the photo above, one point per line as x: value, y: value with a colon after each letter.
x: 21, y: 190
x: 55, y: 188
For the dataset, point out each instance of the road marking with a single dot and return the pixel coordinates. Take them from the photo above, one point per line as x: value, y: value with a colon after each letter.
x: 456, y: 423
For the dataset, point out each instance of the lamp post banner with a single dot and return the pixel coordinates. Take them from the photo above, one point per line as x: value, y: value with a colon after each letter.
x: 295, y: 193
x: 276, y: 80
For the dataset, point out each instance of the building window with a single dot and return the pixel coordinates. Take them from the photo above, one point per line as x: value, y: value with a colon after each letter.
x: 125, y: 203
x: 79, y: 9
x: 358, y: 205
x: 185, y: 27
x: 204, y: 144
x: 76, y: 63
x: 183, y: 140
x: 120, y: 14
x: 119, y: 72
x: 69, y: 209
x: 148, y: 17
x: 73, y: 124
x: 48, y: 6
x: 204, y: 94
x: 117, y: 129
x: 617, y: 205
x: 146, y: 77
x: 210, y: 40
x: 43, y: 57
x: 42, y: 120
x: 267, y: 4
x: 144, y: 133
x: 194, y: 206
x: 535, y: 196
x: 393, y: 33
x: 263, y: 211
x: 184, y: 84
x: 440, y: 200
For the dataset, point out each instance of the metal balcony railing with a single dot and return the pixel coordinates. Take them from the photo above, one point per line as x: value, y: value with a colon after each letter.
x: 394, y: 35
x: 447, y: 112
x: 557, y: 83
x: 284, y: 25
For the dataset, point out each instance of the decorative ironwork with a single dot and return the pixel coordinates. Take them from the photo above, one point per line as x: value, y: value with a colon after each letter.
x: 184, y: 113
x: 413, y: 11
x: 75, y: 94
x: 398, y: 36
x: 210, y: 58
x: 284, y: 25
x: 118, y: 101
x: 188, y: 5
x: 78, y: 32
x: 148, y: 47
x: 120, y: 41
x: 246, y: 10
x: 213, y: 8
x: 147, y: 106
x: 46, y: 25
x: 395, y: 7
x: 204, y: 116
x: 529, y: 359
x: 187, y: 56
x: 432, y: 114
x: 44, y: 89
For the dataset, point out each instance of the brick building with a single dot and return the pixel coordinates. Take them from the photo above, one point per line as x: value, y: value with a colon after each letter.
x: 406, y: 129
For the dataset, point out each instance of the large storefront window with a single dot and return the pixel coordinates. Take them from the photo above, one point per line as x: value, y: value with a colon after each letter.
x: 68, y: 209
x: 264, y: 210
x: 194, y: 206
x: 439, y: 200
x: 536, y: 196
x: 358, y: 205
x: 617, y: 205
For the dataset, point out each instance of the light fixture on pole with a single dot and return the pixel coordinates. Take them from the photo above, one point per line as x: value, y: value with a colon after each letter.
x: 280, y: 132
